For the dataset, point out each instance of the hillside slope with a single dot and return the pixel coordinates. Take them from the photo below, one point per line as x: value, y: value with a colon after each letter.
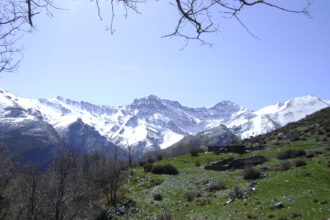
x: 294, y: 188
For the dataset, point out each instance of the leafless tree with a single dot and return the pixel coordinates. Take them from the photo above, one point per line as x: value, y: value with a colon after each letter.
x: 16, y: 19
x: 67, y: 195
x: 131, y: 154
x: 105, y: 172
x: 7, y: 174
x: 29, y: 187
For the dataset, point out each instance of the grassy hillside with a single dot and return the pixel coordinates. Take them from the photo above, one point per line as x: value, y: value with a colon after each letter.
x: 294, y: 188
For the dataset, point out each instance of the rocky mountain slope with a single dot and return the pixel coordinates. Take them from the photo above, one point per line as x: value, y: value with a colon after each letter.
x: 148, y: 123
x: 33, y: 139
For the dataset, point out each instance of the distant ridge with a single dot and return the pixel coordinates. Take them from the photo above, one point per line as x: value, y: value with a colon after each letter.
x: 151, y: 123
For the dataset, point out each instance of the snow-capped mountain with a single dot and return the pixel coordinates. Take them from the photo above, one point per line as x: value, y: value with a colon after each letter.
x: 151, y: 123
x: 275, y: 116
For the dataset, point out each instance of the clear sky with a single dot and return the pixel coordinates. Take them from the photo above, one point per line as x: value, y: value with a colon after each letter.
x: 71, y: 55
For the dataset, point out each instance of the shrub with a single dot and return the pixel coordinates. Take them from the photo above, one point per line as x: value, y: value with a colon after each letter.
x: 194, y: 153
x: 306, y: 174
x: 165, y: 169
x: 317, y: 152
x: 197, y: 164
x: 286, y: 165
x: 271, y: 216
x: 251, y: 216
x: 147, y: 167
x: 294, y: 136
x: 189, y: 196
x: 216, y: 186
x: 202, y: 201
x: 295, y: 215
x: 250, y: 173
x: 141, y: 163
x: 160, y: 157
x: 158, y: 197
x: 165, y: 216
x: 290, y: 154
x: 237, y: 193
x: 150, y: 160
x: 299, y: 163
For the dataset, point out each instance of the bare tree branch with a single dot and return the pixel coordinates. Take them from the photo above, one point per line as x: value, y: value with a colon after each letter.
x: 195, y: 19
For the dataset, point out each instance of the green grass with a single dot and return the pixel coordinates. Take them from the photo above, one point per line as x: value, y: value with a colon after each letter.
x: 296, y: 188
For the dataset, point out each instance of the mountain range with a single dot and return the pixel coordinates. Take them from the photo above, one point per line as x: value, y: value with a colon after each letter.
x: 149, y: 123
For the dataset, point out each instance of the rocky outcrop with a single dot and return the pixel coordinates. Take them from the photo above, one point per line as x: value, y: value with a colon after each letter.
x: 233, y: 164
x: 238, y: 149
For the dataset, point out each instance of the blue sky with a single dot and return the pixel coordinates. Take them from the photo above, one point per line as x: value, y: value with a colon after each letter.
x: 71, y: 55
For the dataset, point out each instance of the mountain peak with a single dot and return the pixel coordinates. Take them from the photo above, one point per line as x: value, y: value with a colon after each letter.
x: 304, y: 100
x: 151, y: 96
x: 224, y: 103
x: 148, y: 100
x: 60, y: 98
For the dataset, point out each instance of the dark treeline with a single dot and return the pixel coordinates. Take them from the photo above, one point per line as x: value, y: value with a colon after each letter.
x: 73, y: 187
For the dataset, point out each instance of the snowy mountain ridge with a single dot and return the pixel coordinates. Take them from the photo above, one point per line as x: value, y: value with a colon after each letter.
x: 152, y: 123
x: 278, y: 115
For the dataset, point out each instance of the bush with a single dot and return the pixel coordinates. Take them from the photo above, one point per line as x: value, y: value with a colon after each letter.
x: 290, y: 154
x: 299, y: 163
x: 237, y: 193
x: 160, y: 157
x: 285, y: 166
x: 165, y: 216
x: 189, y: 196
x: 251, y: 216
x: 296, y: 215
x: 147, y: 167
x: 271, y: 216
x: 142, y: 163
x: 202, y: 201
x: 150, y: 160
x: 216, y: 186
x: 197, y: 164
x: 158, y: 197
x: 165, y: 169
x: 194, y: 153
x: 250, y: 173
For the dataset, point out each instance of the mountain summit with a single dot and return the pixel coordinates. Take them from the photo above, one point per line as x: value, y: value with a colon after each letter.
x: 151, y: 123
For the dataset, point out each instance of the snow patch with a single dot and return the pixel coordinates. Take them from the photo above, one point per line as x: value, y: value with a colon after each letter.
x: 170, y: 138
